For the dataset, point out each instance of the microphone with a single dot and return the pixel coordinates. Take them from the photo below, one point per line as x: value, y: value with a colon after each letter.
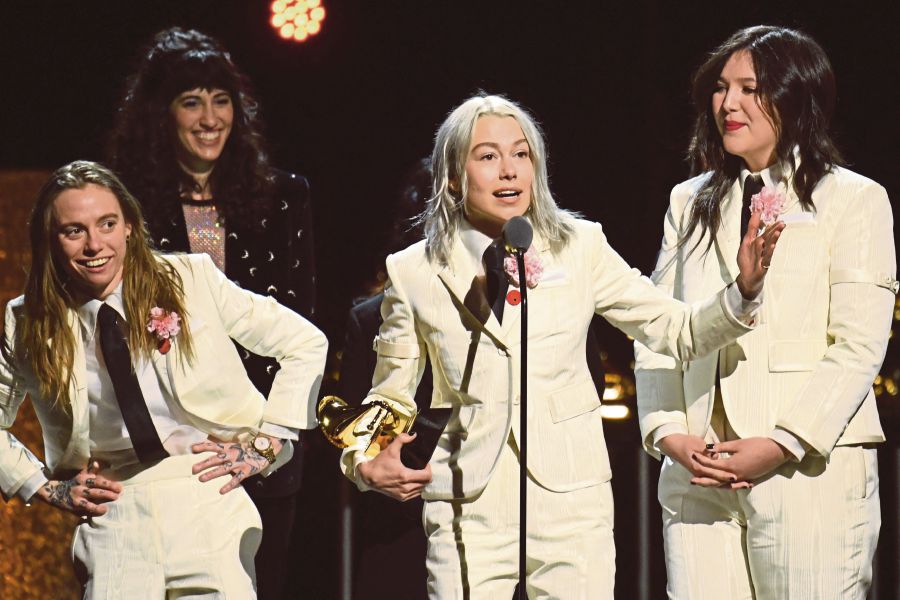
x: 517, y: 233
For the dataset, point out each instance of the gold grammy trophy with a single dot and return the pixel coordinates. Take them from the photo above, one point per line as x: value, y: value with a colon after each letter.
x: 371, y: 426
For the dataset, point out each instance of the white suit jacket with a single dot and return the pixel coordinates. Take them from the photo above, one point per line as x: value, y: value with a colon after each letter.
x: 215, y: 391
x: 475, y: 361
x: 823, y: 329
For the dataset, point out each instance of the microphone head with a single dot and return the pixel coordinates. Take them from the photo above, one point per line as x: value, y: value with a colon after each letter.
x: 518, y: 233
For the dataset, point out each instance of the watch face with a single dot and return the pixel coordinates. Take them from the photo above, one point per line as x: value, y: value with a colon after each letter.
x: 262, y: 443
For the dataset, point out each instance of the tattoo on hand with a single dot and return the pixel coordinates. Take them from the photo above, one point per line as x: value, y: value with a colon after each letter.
x: 60, y: 493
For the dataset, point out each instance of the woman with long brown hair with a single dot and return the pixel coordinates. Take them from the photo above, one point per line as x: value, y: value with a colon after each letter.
x: 769, y: 488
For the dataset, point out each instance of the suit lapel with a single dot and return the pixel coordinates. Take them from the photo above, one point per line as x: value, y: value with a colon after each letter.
x: 728, y: 238
x: 171, y: 367
x: 77, y: 448
x: 791, y: 199
x: 459, y: 277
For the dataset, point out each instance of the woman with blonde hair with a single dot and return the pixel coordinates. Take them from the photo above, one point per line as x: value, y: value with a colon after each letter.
x: 447, y: 299
x: 143, y: 403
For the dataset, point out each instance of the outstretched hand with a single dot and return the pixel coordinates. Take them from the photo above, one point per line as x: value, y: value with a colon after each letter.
x: 239, y: 460
x: 755, y: 255
x: 83, y: 495
x: 388, y: 475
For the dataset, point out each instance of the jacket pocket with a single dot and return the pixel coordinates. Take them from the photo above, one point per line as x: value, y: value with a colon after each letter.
x: 573, y: 401
x: 795, y: 355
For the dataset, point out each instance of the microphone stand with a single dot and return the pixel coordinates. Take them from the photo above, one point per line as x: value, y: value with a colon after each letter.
x: 523, y: 421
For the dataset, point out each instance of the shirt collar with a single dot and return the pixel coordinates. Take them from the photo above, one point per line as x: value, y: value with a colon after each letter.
x: 87, y: 312
x: 772, y: 176
x: 474, y: 241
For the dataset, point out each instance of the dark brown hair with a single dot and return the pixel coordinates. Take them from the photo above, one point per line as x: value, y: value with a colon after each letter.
x: 795, y: 86
x: 142, y: 144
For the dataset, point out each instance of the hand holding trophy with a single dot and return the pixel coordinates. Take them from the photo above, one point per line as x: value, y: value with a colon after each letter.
x: 370, y: 427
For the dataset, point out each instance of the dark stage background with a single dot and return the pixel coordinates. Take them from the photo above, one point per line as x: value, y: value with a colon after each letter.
x: 354, y: 107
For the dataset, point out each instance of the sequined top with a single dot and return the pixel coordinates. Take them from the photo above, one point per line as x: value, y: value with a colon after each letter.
x: 205, y: 231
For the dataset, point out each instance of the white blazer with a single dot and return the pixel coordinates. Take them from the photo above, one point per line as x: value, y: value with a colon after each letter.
x: 475, y: 361
x: 215, y: 391
x: 823, y: 329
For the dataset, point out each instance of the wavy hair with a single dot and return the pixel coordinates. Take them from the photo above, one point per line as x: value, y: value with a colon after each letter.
x: 50, y: 301
x: 444, y: 209
x: 142, y: 144
x: 795, y: 86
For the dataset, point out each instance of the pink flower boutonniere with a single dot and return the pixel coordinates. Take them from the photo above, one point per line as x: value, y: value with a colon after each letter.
x: 769, y: 202
x: 165, y: 326
x: 533, y: 268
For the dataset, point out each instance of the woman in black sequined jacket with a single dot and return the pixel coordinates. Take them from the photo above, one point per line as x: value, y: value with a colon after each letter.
x: 187, y: 142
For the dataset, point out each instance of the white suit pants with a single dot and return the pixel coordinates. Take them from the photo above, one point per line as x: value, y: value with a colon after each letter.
x: 473, y: 545
x: 807, y: 532
x: 170, y: 536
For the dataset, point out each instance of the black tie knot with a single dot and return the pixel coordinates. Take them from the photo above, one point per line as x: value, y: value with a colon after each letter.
x: 753, y: 184
x: 107, y: 317
x: 493, y: 257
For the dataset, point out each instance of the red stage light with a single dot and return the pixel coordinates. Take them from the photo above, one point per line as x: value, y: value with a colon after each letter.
x: 297, y: 20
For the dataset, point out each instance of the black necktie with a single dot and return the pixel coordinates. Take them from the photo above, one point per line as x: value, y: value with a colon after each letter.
x: 140, y: 426
x: 752, y: 186
x: 496, y: 277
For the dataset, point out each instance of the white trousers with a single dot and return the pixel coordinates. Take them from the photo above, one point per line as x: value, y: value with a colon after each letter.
x: 170, y: 536
x: 473, y: 545
x: 807, y: 532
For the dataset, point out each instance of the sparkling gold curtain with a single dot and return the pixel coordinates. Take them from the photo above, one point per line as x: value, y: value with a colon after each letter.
x: 35, y: 560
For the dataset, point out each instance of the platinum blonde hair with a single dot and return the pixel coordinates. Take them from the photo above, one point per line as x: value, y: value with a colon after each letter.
x: 445, y: 208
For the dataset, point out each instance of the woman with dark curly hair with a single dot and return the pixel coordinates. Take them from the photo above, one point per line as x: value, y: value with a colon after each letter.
x: 187, y: 143
x: 769, y: 487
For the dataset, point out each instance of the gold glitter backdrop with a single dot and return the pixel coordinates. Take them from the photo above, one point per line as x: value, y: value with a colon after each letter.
x: 34, y: 541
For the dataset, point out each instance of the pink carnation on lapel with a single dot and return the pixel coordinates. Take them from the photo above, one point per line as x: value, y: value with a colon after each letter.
x: 164, y: 325
x: 533, y: 268
x: 769, y: 202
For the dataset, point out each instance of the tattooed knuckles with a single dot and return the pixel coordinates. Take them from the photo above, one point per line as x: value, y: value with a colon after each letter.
x: 239, y: 460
